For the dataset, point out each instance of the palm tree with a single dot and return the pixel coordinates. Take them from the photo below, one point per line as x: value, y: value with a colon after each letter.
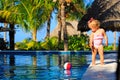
x: 63, y: 25
x: 114, y: 43
x: 30, y: 19
x: 8, y: 15
x: 33, y: 14
x: 72, y: 10
x: 75, y: 10
x: 49, y: 8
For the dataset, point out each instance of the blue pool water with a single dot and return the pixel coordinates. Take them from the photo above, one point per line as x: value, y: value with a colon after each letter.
x: 38, y: 65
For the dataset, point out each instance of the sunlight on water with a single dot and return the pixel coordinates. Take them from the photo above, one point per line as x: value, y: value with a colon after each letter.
x: 41, y: 66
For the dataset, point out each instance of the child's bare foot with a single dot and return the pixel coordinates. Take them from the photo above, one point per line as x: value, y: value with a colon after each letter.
x: 93, y: 64
x: 102, y: 64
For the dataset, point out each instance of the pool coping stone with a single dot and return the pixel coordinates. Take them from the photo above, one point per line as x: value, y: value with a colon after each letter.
x: 102, y: 72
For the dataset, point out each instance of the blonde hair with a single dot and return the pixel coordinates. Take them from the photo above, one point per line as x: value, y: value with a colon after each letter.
x: 95, y: 23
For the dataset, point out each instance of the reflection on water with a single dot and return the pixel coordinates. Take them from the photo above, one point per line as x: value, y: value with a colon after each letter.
x: 41, y: 66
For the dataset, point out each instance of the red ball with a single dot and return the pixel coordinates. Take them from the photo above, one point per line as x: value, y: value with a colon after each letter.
x: 67, y: 66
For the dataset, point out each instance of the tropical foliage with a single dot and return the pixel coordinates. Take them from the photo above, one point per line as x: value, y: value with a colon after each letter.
x: 78, y: 42
x: 110, y: 48
x: 50, y: 44
x: 75, y: 10
x: 28, y: 44
x: 75, y: 43
x: 32, y: 14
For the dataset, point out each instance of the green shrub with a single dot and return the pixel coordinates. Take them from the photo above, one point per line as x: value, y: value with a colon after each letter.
x: 50, y: 44
x: 109, y: 48
x: 78, y: 42
x: 20, y: 46
x: 74, y: 43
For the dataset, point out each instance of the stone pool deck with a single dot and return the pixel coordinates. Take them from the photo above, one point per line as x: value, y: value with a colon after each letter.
x: 102, y: 72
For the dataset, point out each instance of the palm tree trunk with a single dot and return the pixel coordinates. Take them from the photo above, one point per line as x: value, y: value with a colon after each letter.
x: 5, y: 33
x: 11, y: 35
x: 48, y: 29
x: 64, y: 25
x: 34, y: 33
x: 114, y: 44
x: 59, y: 26
x: 60, y: 29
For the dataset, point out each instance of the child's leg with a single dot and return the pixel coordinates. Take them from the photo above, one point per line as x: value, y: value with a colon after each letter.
x: 94, y: 52
x: 101, y: 53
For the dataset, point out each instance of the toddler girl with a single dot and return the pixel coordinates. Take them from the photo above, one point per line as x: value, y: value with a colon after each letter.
x: 96, y: 38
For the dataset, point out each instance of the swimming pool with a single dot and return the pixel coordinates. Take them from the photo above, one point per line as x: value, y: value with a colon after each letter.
x: 42, y: 65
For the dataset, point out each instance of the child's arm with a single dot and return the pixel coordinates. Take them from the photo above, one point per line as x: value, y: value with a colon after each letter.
x: 105, y: 37
x: 91, y: 41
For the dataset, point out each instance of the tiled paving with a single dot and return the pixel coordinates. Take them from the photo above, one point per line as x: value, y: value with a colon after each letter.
x: 102, y: 72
